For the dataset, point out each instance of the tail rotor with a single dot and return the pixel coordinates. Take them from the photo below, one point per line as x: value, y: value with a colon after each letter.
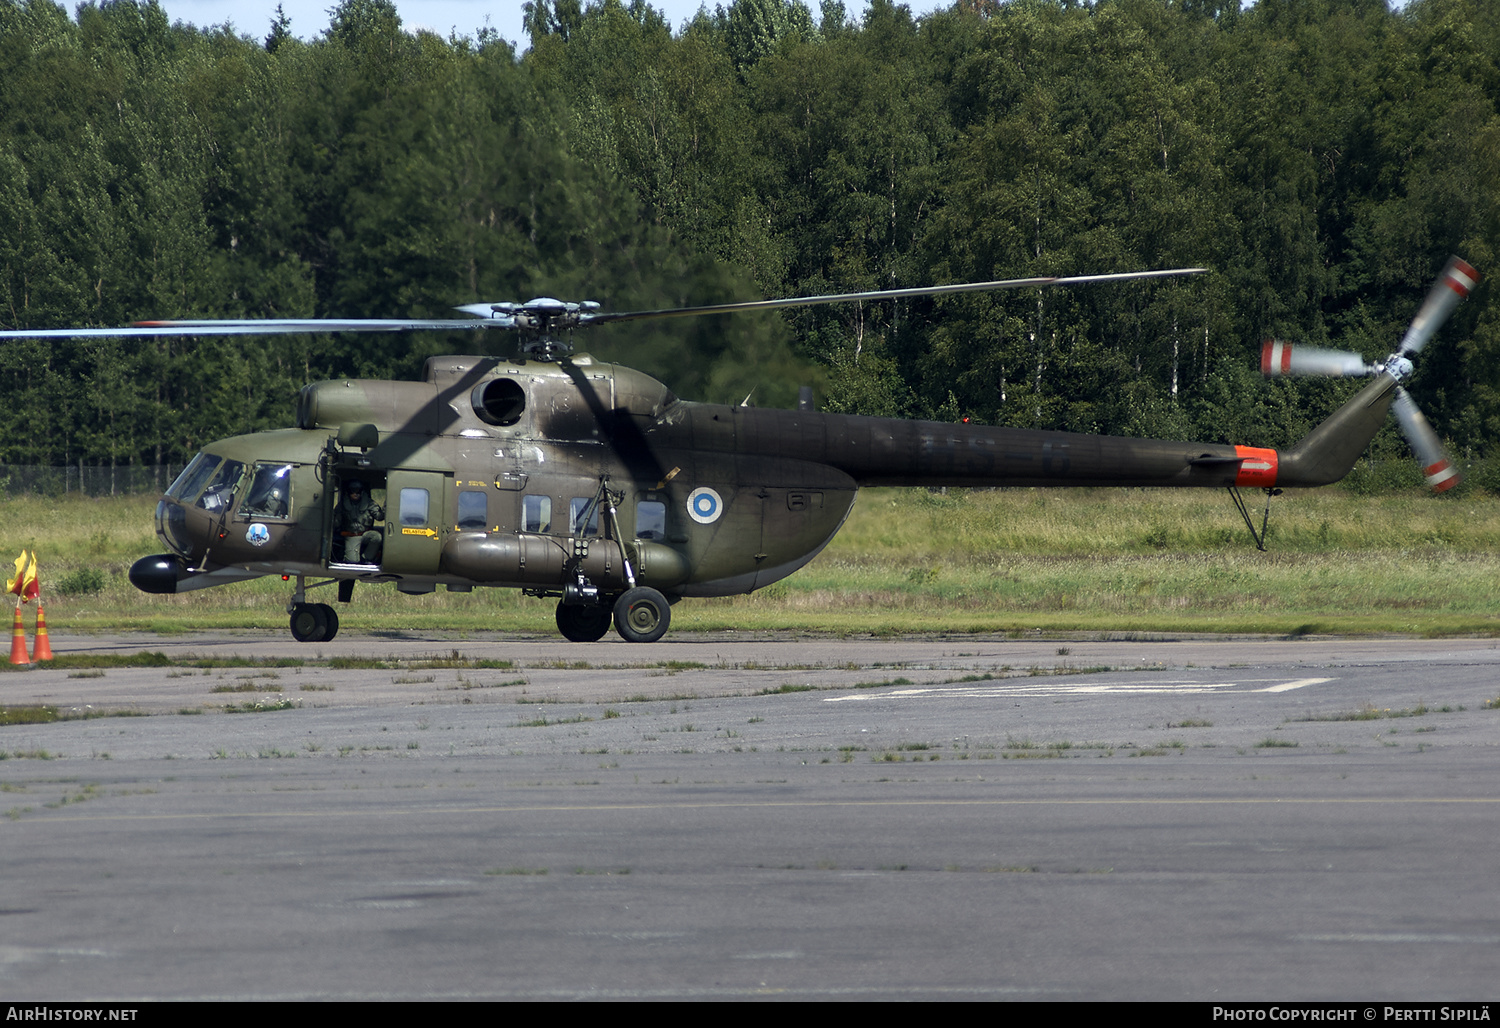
x: 1455, y: 283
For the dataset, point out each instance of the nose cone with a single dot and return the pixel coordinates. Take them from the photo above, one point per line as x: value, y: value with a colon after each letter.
x: 158, y: 573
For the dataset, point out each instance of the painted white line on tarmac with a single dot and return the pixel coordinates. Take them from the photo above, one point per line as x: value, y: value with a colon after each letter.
x: 1168, y: 687
x: 998, y: 691
x: 1298, y: 684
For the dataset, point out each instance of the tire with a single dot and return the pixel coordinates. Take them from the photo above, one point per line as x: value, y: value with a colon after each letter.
x: 642, y: 615
x: 332, y: 617
x: 582, y: 622
x: 309, y: 622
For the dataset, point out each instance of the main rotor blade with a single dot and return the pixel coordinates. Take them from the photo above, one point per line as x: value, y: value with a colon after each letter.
x: 256, y: 327
x: 1453, y: 285
x: 1441, y: 475
x: 1282, y: 358
x: 295, y: 326
x: 877, y: 294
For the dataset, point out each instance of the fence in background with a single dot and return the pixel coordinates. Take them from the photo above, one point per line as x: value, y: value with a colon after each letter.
x: 85, y: 479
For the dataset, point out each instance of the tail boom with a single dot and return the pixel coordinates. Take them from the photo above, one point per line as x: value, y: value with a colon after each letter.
x: 896, y: 452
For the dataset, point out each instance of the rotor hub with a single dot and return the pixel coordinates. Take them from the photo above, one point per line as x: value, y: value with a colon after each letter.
x: 538, y: 322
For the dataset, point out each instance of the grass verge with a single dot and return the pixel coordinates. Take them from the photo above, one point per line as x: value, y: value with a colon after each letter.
x: 996, y: 561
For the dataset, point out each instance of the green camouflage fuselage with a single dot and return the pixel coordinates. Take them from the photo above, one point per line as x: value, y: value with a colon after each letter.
x: 487, y: 466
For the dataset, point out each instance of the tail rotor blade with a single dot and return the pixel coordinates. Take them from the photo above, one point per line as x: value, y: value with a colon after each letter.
x: 1278, y: 357
x: 1441, y: 475
x: 1453, y: 285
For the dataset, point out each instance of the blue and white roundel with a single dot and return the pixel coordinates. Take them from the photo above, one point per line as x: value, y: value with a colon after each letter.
x: 704, y: 505
x: 258, y: 534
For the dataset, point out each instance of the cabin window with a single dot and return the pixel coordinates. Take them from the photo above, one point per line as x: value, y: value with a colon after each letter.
x: 575, y: 516
x: 414, y: 503
x: 220, y: 492
x: 270, y: 492
x: 650, y: 520
x: 473, y: 511
x: 536, y: 513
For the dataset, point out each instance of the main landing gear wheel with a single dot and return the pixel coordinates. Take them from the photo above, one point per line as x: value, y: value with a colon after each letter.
x: 642, y: 615
x: 582, y: 622
x: 314, y: 622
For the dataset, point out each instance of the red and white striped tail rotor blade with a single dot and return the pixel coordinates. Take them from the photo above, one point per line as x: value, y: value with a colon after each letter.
x: 1454, y: 284
x: 1440, y: 472
x: 1279, y: 357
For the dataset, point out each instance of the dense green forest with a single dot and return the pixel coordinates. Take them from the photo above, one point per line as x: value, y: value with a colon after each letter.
x: 1321, y: 157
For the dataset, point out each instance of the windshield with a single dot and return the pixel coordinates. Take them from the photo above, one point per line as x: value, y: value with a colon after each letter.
x: 191, y: 481
x: 220, y: 490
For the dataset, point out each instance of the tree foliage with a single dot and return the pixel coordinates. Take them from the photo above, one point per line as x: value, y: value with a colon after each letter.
x: 1321, y: 157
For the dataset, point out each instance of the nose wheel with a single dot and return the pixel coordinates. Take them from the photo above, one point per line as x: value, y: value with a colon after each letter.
x: 314, y: 622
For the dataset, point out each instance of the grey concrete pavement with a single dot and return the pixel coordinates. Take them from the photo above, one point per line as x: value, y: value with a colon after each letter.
x: 1226, y: 821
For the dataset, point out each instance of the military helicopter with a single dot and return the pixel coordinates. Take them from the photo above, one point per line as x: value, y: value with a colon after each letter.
x: 589, y: 482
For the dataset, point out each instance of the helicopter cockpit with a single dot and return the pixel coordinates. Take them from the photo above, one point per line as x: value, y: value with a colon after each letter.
x: 221, y: 510
x: 206, y: 488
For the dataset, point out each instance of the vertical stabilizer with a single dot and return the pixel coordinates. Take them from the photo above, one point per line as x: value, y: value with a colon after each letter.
x: 1328, y: 452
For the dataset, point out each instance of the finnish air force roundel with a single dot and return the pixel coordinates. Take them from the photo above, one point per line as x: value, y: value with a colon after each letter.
x: 704, y: 505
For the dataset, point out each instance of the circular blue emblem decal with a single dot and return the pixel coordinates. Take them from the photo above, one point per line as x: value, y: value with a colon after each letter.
x: 704, y: 505
x: 258, y: 535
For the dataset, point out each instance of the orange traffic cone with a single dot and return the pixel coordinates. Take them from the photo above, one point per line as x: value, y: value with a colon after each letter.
x: 43, y: 649
x: 18, y: 641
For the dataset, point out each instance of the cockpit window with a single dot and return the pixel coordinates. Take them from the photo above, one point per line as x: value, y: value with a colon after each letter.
x: 191, y: 481
x: 270, y: 492
x: 220, y: 491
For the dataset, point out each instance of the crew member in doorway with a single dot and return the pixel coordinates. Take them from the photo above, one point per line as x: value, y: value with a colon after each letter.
x: 355, y: 520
